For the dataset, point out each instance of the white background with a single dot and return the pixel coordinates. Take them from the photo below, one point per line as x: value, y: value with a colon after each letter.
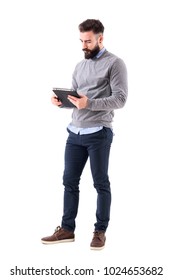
x: 39, y: 49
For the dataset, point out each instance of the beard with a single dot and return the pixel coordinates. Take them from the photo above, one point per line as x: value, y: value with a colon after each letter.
x: 91, y: 53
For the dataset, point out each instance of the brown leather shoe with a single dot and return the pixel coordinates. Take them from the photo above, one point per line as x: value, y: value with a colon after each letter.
x: 60, y: 235
x: 98, y: 241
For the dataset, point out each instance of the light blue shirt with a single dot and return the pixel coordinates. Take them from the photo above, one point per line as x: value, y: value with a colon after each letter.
x: 87, y: 130
x: 100, y: 53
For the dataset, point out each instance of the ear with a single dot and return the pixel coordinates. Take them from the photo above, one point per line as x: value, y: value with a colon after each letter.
x: 101, y: 39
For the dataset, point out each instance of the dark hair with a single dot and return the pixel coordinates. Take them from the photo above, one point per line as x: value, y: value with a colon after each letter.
x: 91, y: 25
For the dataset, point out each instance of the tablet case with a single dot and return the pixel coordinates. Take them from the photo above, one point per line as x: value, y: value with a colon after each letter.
x: 62, y: 94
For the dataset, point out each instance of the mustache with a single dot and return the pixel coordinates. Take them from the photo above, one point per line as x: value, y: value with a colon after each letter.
x: 87, y: 50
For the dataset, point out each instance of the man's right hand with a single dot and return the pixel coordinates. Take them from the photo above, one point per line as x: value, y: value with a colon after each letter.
x: 55, y: 101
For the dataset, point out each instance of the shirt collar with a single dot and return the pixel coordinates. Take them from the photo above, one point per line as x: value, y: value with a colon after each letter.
x: 100, y: 53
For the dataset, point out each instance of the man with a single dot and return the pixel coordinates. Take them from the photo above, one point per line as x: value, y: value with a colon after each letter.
x: 101, y: 80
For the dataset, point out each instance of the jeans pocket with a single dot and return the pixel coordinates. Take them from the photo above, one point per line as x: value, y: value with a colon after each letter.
x: 108, y: 133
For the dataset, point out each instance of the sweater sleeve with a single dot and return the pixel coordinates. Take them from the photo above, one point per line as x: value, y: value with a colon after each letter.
x: 118, y: 87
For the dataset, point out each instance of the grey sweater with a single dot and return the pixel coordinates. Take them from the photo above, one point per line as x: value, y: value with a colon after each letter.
x: 104, y: 81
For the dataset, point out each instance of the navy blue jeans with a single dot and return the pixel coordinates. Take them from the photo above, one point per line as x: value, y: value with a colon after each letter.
x: 96, y: 147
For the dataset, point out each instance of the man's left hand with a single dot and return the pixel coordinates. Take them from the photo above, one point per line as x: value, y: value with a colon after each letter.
x: 80, y: 103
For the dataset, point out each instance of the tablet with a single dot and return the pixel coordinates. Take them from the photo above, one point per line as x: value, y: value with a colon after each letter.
x: 62, y: 94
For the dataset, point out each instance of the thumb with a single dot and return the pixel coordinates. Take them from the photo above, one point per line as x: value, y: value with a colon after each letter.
x: 81, y: 95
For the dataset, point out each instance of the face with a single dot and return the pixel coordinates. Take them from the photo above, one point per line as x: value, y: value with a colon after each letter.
x: 91, y: 43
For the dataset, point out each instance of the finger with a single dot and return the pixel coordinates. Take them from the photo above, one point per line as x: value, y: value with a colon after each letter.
x: 82, y: 95
x: 72, y: 101
x: 70, y: 97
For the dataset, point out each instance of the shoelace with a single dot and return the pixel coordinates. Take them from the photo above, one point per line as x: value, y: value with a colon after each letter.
x: 58, y: 228
x: 97, y: 234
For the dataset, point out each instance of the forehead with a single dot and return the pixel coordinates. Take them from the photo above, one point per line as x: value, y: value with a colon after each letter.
x: 88, y: 35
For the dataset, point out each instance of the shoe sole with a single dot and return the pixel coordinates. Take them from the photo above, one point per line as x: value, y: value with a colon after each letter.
x: 97, y: 248
x: 58, y: 241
